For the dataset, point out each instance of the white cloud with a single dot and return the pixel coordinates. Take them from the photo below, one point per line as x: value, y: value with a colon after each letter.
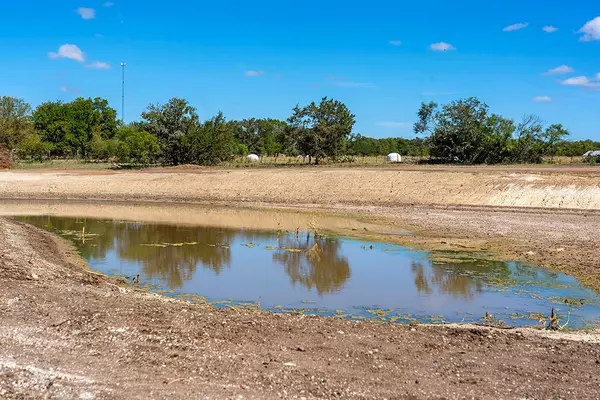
x: 583, y: 81
x: 393, y: 124
x: 396, y: 42
x: 563, y: 69
x: 442, y: 46
x: 98, y: 65
x: 254, y: 72
x: 109, y: 4
x: 64, y: 89
x: 69, y: 51
x: 542, y: 99
x: 590, y: 31
x: 516, y: 27
x: 549, y: 29
x: 576, y: 81
x: 86, y: 13
x: 98, y: 35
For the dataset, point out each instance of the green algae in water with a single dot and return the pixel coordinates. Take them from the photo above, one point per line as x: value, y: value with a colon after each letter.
x: 309, y: 274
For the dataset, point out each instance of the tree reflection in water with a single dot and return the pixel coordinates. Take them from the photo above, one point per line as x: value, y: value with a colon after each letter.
x: 459, y: 279
x: 168, y: 252
x: 184, y: 250
x: 173, y: 253
x: 313, y: 262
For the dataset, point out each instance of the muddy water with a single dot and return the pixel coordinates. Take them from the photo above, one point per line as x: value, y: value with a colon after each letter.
x: 302, y: 272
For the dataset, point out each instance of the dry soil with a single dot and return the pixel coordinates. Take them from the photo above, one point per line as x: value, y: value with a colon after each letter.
x: 70, y: 333
x: 66, y: 332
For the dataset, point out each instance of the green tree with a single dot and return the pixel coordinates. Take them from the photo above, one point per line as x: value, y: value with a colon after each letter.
x: 102, y: 149
x: 50, y: 121
x: 86, y: 118
x: 241, y: 150
x: 270, y: 131
x: 528, y: 144
x: 405, y: 147
x: 170, y: 123
x: 552, y: 137
x: 212, y: 142
x: 33, y: 148
x: 15, y: 121
x: 497, y: 141
x: 576, y: 148
x: 70, y: 127
x: 386, y: 146
x: 246, y: 132
x: 136, y: 146
x: 260, y: 136
x: 321, y: 130
x: 457, y: 131
x: 362, y: 146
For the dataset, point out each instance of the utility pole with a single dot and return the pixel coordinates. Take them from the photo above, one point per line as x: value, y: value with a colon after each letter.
x: 123, y: 93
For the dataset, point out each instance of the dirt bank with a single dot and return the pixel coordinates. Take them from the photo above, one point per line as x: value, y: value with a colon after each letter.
x: 67, y: 333
x: 383, y: 187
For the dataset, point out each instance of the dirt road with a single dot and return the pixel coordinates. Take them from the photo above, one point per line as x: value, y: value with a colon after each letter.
x: 67, y: 333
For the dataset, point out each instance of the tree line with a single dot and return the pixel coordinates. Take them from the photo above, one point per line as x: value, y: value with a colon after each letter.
x: 463, y: 131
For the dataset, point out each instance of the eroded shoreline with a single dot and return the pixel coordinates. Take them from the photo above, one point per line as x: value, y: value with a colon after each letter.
x: 67, y: 332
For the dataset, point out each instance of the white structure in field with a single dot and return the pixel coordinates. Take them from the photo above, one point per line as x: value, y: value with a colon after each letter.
x: 252, y: 158
x: 394, y: 157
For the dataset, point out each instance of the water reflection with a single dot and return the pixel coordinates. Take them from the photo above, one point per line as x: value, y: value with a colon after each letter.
x: 291, y: 270
x: 172, y: 253
x: 459, y: 279
x: 313, y: 262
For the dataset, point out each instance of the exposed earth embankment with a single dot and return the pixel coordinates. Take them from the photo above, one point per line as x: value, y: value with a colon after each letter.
x: 571, y: 188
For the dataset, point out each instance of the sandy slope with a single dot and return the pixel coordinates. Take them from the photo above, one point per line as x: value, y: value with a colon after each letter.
x: 571, y: 189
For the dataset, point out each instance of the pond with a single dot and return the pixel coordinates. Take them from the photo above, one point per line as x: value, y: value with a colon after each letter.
x: 303, y: 272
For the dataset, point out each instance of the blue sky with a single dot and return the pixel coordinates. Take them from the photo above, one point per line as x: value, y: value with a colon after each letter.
x: 261, y: 58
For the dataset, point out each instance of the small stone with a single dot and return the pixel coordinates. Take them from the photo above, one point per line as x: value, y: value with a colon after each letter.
x: 34, y: 276
x: 340, y: 332
x: 289, y: 364
x: 299, y: 348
